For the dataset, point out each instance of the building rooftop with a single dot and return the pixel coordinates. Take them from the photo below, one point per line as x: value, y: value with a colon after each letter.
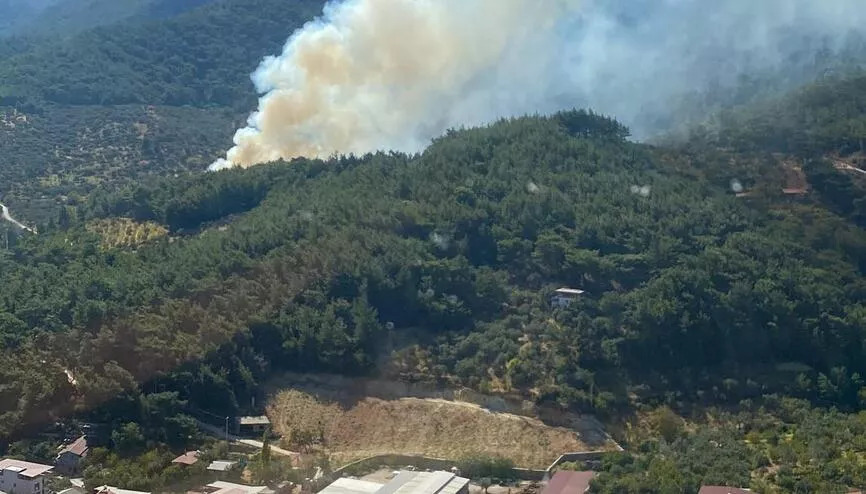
x: 407, y: 482
x: 221, y: 465
x: 351, y: 486
x: 569, y: 291
x: 77, y: 448
x: 24, y: 468
x: 566, y: 482
x: 221, y: 487
x: 107, y: 489
x: 188, y: 458
x: 260, y: 420
x: 719, y: 489
x: 72, y: 490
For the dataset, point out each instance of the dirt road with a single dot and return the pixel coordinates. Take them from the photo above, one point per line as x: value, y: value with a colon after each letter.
x: 8, y: 217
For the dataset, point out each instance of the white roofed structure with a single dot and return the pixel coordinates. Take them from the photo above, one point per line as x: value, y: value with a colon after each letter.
x: 351, y: 486
x: 406, y: 482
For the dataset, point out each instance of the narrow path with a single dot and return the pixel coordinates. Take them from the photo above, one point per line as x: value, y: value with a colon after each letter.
x: 841, y: 165
x: 8, y: 217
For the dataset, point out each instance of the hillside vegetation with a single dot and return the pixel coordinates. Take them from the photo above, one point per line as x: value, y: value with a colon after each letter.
x: 694, y: 296
x: 723, y: 274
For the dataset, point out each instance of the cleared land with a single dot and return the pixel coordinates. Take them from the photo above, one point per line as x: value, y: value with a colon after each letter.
x: 417, y: 426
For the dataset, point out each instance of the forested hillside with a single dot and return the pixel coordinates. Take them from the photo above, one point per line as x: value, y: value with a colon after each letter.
x: 721, y: 333
x: 130, y: 99
x: 694, y: 296
x: 203, y: 57
x: 51, y: 18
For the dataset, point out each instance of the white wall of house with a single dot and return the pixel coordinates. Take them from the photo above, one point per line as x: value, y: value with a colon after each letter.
x: 14, y: 483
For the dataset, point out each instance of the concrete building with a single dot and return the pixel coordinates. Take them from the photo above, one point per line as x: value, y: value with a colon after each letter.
x: 68, y: 461
x: 221, y: 465
x: 567, y: 482
x: 252, y: 426
x: 405, y: 482
x: 563, y: 297
x: 22, y: 477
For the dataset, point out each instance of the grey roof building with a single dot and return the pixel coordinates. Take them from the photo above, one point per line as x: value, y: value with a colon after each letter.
x: 405, y: 482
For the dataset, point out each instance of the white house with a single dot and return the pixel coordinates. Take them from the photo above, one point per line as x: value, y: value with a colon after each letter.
x: 22, y: 477
x: 563, y: 297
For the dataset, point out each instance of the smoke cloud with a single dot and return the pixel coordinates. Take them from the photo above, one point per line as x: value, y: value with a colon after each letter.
x: 392, y: 74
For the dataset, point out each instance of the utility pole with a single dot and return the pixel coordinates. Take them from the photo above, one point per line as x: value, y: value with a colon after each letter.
x: 227, y: 434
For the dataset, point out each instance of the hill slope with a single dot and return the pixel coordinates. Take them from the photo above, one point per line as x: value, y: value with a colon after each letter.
x: 692, y: 292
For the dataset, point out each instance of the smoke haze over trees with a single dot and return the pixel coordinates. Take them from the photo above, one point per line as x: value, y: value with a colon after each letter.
x: 392, y: 74
x: 163, y: 289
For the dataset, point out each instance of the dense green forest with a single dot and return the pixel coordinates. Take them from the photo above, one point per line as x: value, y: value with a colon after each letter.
x: 695, y: 297
x: 202, y: 57
x: 68, y: 17
x: 158, y: 92
x: 721, y: 334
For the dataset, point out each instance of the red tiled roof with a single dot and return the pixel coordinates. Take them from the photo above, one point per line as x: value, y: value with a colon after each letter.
x: 718, y: 489
x: 188, y: 458
x: 565, y: 482
x: 78, y: 447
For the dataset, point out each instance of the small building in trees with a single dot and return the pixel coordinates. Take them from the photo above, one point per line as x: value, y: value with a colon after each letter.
x: 568, y: 482
x: 252, y: 426
x: 69, y: 459
x: 563, y: 297
x: 187, y: 459
x: 222, y: 466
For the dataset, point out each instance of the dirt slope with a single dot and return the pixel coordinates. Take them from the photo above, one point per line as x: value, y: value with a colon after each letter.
x: 430, y: 427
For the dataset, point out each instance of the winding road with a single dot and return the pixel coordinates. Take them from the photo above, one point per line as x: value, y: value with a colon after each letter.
x: 8, y: 217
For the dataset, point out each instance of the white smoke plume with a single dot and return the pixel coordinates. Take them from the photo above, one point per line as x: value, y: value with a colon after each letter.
x: 392, y: 74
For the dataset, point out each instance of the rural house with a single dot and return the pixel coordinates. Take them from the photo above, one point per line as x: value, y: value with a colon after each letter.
x: 22, y: 477
x: 563, y: 297
x: 68, y: 461
x: 252, y: 426
x: 187, y: 459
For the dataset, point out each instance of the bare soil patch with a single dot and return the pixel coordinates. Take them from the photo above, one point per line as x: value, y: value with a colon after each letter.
x: 417, y: 426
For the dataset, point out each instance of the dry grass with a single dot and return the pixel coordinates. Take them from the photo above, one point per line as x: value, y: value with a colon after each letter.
x: 429, y: 427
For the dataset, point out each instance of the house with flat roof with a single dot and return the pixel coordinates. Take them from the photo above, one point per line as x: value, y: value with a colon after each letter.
x: 221, y: 465
x: 20, y: 477
x: 568, y: 482
x: 252, y: 426
x: 68, y: 460
x: 563, y: 297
